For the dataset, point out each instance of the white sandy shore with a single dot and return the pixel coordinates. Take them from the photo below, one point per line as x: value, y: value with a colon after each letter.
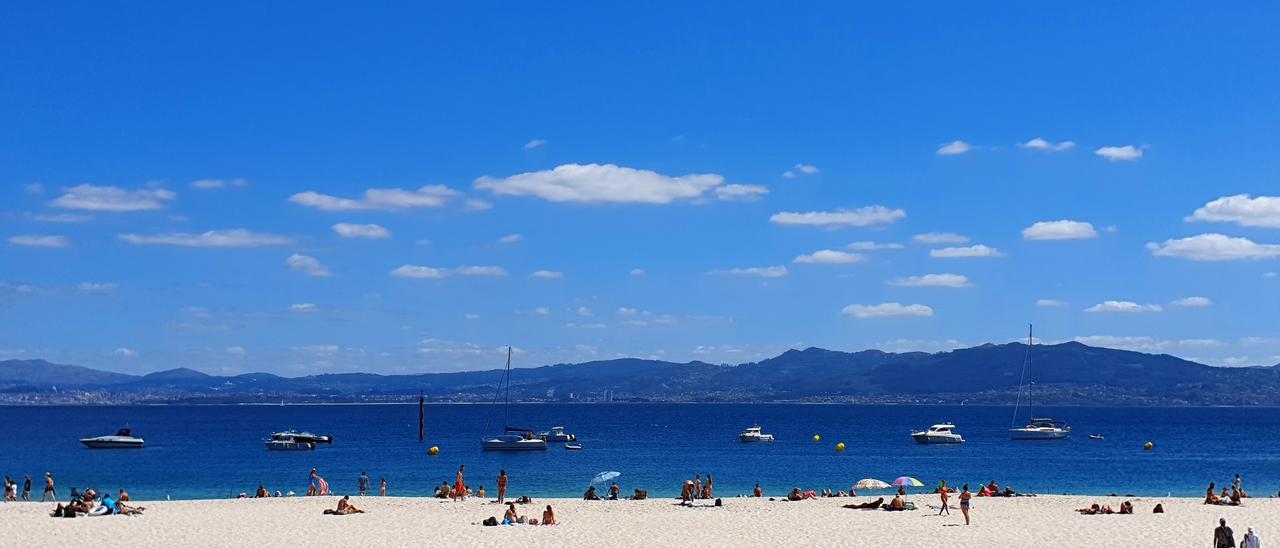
x: 400, y: 521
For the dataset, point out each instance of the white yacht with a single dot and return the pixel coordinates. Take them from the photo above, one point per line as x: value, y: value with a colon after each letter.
x: 753, y: 434
x: 301, y: 437
x: 123, y: 439
x: 1037, y: 428
x: 512, y: 439
x: 289, y: 444
x: 558, y: 435
x: 938, y: 433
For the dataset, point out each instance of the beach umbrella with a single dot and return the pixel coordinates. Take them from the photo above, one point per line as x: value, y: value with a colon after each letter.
x: 870, y: 483
x: 604, y: 476
x: 907, y: 481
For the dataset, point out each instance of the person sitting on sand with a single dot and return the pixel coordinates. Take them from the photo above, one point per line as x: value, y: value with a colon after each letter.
x: 1159, y: 509
x: 866, y: 505
x: 897, y: 504
x: 1126, y: 507
x: 1235, y: 496
x: 480, y: 493
x: 796, y: 495
x: 902, y: 490
x: 444, y: 492
x: 757, y: 492
x: 511, y: 516
x: 613, y: 491
x: 1008, y: 491
x: 549, y: 516
x: 1210, y: 496
x: 590, y: 494
x: 261, y: 493
x: 344, y: 508
x: 993, y: 487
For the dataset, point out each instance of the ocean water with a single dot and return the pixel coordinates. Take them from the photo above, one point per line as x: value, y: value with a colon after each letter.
x: 218, y: 451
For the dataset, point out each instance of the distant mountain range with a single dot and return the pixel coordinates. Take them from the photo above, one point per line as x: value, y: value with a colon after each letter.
x: 1065, y: 374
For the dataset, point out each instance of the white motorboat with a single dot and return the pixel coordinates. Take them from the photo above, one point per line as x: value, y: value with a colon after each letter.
x: 1095, y: 436
x: 938, y: 433
x: 123, y: 439
x: 558, y: 435
x: 1037, y: 428
x: 512, y: 439
x: 289, y: 444
x: 753, y: 434
x: 573, y: 447
x: 301, y: 437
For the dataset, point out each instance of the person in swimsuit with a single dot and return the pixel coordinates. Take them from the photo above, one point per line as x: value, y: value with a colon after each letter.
x: 757, y: 492
x: 382, y: 488
x: 502, y: 486
x: 26, y: 487
x: 549, y: 516
x: 965, y: 497
x: 942, y: 491
x: 459, y: 486
x: 48, y: 488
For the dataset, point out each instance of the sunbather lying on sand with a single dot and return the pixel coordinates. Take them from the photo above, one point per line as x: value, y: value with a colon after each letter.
x: 867, y: 505
x: 795, y: 494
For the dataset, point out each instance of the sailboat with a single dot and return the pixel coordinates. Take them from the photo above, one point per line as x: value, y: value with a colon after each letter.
x: 1037, y: 428
x: 511, y: 439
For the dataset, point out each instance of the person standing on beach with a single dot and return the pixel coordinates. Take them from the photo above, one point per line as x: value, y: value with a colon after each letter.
x: 697, y: 485
x: 965, y: 498
x: 459, y: 486
x: 26, y: 487
x: 942, y: 491
x: 1223, y: 537
x: 48, y: 488
x: 502, y: 486
x: 1250, y: 540
x: 382, y: 487
x: 362, y: 484
x: 707, y: 492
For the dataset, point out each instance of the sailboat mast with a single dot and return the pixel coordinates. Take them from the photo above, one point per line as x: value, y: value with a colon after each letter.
x: 506, y: 413
x: 1030, y: 378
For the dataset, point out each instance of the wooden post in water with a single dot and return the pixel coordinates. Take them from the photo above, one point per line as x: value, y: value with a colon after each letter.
x: 422, y: 415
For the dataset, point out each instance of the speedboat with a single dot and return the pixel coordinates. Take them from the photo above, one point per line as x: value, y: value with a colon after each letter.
x: 123, y: 439
x: 289, y: 444
x: 753, y: 434
x: 302, y: 437
x: 1095, y: 436
x: 514, y: 442
x: 573, y: 447
x: 558, y: 435
x: 938, y: 433
x: 1041, y: 429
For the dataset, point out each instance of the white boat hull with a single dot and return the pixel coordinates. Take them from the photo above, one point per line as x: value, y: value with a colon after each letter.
x: 933, y: 439
x: 100, y: 443
x: 519, y: 444
x: 1038, y: 433
x: 753, y: 439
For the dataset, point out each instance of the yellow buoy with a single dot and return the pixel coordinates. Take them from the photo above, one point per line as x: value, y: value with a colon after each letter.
x: 1147, y: 446
x: 840, y: 446
x: 433, y: 451
x: 817, y: 438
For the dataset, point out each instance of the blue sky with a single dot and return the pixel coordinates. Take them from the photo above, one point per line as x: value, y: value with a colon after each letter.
x: 311, y: 188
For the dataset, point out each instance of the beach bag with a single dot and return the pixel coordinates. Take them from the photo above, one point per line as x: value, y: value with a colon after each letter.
x: 491, y: 522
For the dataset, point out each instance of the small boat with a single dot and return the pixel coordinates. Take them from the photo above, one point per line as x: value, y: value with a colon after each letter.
x: 557, y: 435
x: 512, y: 439
x: 1095, y: 436
x: 289, y: 444
x: 937, y: 434
x: 302, y: 436
x: 123, y: 439
x: 1038, y: 428
x: 573, y: 447
x: 753, y: 434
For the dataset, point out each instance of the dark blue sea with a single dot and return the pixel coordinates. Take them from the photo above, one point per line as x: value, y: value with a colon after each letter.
x: 217, y: 451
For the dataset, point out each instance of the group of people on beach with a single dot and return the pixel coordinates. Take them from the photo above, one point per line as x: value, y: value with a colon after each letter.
x: 92, y: 503
x: 11, y: 488
x: 695, y: 489
x: 1234, y: 498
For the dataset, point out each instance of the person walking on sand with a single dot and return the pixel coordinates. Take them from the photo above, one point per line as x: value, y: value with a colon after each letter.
x: 459, y: 486
x: 48, y: 488
x: 965, y: 498
x: 1223, y: 537
x: 942, y: 491
x: 382, y: 487
x: 362, y: 484
x: 1250, y: 540
x: 26, y: 487
x: 502, y: 486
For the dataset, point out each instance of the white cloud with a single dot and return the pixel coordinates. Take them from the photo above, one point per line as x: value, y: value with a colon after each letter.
x: 480, y: 271
x: 91, y: 288
x: 1242, y: 209
x: 740, y: 193
x: 636, y: 272
x: 415, y: 271
x: 126, y: 353
x: 1124, y: 306
x: 1136, y: 344
x: 1214, y: 247
x: 863, y: 216
x: 476, y: 204
x: 510, y: 239
x: 317, y: 349
x: 624, y: 311
x: 871, y: 246
x: 1270, y: 275
x: 238, y: 237
x: 534, y: 144
x: 472, y: 316
x: 1050, y: 302
x: 1117, y: 154
x: 304, y: 308
x: 306, y: 265
x: 940, y: 238
x: 548, y: 274
x: 111, y: 198
x: 236, y: 350
x: 828, y: 256
x: 33, y: 188
x: 602, y: 183
x: 953, y: 148
x: 1200, y: 343
x: 1059, y: 230
x: 1192, y: 302
x: 365, y: 231
x: 62, y: 218
x: 932, y: 280
x: 210, y: 184
x: 1041, y: 144
x: 572, y: 325
x: 384, y: 199
x: 585, y: 312
x: 542, y: 311
x: 886, y: 310
x: 760, y: 271
x: 800, y: 169
x: 40, y: 240
x: 964, y: 252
